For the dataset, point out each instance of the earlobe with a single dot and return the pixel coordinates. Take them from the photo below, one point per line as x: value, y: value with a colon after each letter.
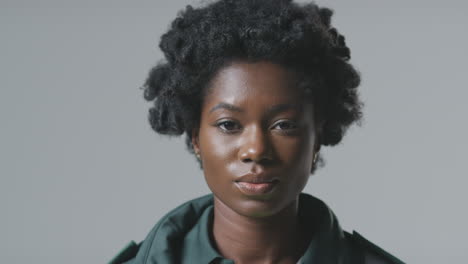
x: 195, y: 144
x: 318, y: 136
x: 317, y: 146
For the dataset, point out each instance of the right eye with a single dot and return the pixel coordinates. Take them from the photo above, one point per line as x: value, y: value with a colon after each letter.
x: 228, y: 126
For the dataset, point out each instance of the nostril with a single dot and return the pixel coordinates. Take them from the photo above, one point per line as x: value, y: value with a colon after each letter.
x: 246, y: 160
x: 262, y: 161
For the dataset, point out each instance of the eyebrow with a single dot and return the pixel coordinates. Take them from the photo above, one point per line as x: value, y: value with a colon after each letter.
x: 271, y: 111
x: 226, y: 106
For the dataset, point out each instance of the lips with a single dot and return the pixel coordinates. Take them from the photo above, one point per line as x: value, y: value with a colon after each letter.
x: 256, y: 184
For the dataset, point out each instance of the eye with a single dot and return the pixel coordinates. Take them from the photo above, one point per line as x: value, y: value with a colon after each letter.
x: 285, y: 125
x: 228, y: 126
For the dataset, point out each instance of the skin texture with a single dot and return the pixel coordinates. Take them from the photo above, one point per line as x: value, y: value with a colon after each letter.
x: 254, y: 119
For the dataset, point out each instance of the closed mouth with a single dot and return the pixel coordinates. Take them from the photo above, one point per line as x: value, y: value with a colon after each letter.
x: 257, y: 188
x: 259, y: 181
x: 257, y: 178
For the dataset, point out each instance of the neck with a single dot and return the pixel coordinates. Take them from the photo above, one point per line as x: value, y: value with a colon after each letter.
x: 274, y: 239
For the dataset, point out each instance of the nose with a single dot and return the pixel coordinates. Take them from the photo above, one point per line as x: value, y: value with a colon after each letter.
x: 255, y: 146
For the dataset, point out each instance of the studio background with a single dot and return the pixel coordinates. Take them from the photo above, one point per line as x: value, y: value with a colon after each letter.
x: 82, y: 173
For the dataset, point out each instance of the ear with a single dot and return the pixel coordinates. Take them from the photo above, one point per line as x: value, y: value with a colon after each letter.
x: 316, y: 152
x: 317, y: 147
x: 318, y: 135
x: 195, y: 141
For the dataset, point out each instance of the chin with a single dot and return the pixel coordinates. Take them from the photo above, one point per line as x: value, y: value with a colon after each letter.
x: 258, y: 207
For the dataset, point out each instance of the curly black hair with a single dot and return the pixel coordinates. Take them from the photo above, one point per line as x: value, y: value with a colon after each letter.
x: 298, y: 36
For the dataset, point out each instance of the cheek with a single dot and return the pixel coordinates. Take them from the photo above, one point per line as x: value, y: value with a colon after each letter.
x: 296, y: 157
x: 218, y: 152
x: 295, y: 152
x: 215, y: 146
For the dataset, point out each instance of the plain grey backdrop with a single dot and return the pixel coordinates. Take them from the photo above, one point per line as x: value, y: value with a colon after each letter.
x: 82, y: 173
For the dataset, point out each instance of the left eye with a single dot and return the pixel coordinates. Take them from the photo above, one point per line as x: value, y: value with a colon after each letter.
x: 285, y: 125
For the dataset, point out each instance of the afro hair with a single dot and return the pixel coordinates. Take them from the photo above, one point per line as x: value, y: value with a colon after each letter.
x: 201, y: 40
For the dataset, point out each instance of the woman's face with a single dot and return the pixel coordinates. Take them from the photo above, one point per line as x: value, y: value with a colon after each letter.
x: 256, y: 138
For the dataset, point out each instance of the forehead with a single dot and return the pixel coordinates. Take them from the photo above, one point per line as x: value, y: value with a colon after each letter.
x: 262, y: 81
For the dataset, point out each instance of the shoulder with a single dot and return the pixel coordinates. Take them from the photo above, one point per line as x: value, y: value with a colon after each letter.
x: 174, y: 222
x: 127, y: 253
x: 369, y: 252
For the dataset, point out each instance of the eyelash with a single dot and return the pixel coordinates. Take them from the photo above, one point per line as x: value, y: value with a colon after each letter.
x: 227, y: 131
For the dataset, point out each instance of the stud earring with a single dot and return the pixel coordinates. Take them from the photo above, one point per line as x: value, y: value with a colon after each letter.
x: 315, y: 157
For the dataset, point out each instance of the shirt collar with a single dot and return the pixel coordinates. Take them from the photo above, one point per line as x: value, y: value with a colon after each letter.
x: 197, y: 244
x: 327, y: 245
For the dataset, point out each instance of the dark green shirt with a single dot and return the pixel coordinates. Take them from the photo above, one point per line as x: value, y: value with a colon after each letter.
x: 183, y: 236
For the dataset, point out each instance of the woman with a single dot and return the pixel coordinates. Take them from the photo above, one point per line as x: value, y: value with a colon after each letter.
x: 257, y: 86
